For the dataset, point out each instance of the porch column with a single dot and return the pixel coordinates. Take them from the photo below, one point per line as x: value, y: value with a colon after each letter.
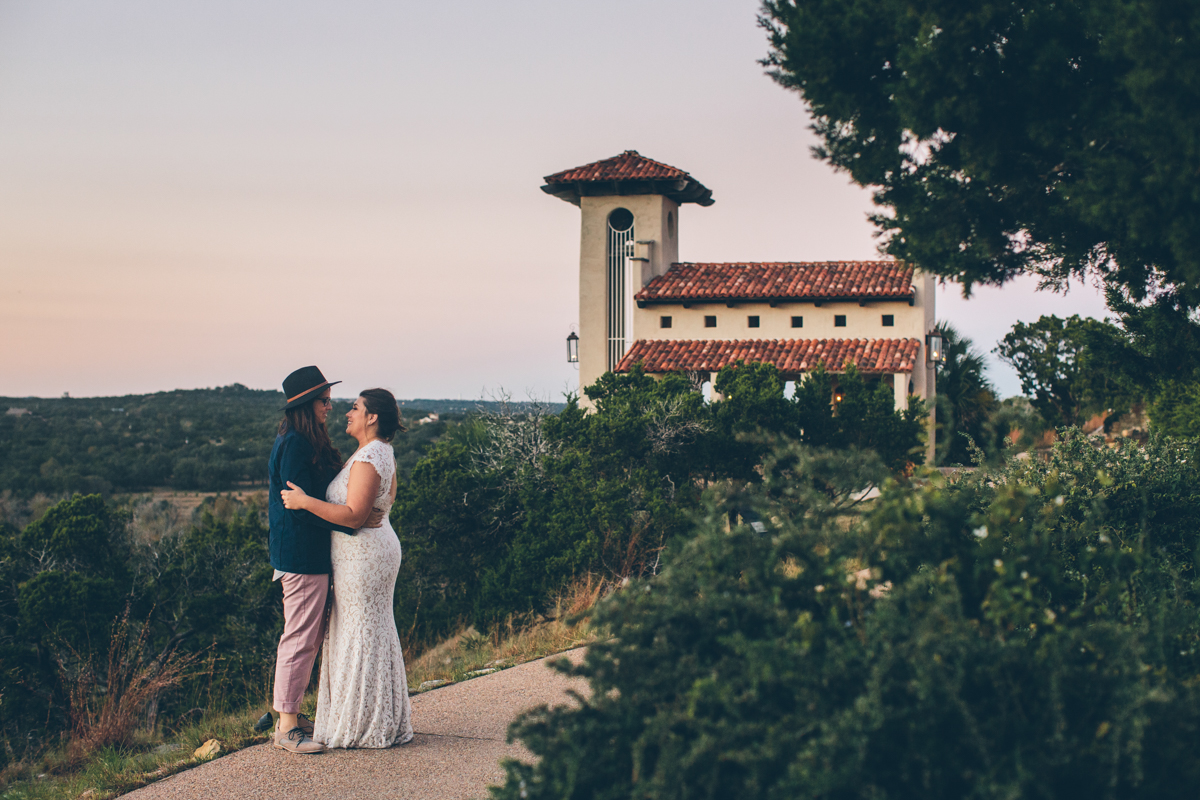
x: 900, y: 390
x: 716, y: 396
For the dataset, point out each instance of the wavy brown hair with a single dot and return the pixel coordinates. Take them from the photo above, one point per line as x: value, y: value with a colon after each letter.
x: 303, y: 420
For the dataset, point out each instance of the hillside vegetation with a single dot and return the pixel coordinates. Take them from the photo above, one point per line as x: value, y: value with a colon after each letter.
x: 209, y: 440
x: 499, y: 515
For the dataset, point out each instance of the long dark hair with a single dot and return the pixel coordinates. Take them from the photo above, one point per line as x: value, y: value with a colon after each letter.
x: 382, y: 404
x: 303, y: 420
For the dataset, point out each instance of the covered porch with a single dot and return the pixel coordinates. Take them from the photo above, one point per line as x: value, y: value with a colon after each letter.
x: 890, y: 361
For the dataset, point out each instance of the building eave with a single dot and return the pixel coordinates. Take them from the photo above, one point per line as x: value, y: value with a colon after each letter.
x: 687, y: 302
x: 681, y: 191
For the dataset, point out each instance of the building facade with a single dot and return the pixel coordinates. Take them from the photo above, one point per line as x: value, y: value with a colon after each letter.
x: 639, y: 304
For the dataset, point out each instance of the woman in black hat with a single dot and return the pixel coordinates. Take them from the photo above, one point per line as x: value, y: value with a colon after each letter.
x: 299, y: 545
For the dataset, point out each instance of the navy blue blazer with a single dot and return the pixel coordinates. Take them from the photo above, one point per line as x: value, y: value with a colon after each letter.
x: 299, y: 540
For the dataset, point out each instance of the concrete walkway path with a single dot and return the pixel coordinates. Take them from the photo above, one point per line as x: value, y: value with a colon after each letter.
x: 455, y: 753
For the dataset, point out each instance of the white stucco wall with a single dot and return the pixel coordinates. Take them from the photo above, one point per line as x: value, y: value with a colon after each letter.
x: 655, y: 219
x: 862, y: 322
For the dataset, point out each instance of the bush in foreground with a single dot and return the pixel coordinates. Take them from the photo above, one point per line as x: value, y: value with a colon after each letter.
x: 1028, y: 635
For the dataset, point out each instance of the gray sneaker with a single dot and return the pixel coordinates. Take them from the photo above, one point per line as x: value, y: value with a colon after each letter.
x: 296, y: 741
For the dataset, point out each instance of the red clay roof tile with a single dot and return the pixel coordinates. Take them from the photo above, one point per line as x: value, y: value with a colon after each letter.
x: 801, y: 280
x: 629, y: 166
x: 627, y: 174
x: 791, y: 356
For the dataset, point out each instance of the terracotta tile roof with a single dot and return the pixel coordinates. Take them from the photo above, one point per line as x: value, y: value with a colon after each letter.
x: 789, y: 355
x: 799, y: 280
x: 629, y: 166
x: 627, y: 174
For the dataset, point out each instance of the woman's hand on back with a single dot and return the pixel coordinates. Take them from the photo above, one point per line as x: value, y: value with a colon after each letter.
x: 357, y: 512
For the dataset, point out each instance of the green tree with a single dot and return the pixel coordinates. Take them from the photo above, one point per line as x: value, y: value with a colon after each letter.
x: 827, y: 410
x: 210, y: 589
x: 1156, y: 354
x: 844, y: 411
x: 1158, y: 341
x: 63, y: 580
x: 1048, y: 137
x: 69, y: 575
x: 501, y: 513
x: 449, y: 517
x: 1014, y: 422
x: 1056, y: 360
x: 965, y: 398
x: 751, y: 415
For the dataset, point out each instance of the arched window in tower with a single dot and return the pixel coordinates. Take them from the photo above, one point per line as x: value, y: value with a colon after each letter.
x: 620, y: 249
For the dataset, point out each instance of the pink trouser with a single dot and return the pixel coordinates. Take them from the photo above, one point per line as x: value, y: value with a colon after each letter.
x: 303, y: 631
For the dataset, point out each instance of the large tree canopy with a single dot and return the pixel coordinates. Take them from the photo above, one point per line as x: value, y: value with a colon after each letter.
x: 1048, y: 136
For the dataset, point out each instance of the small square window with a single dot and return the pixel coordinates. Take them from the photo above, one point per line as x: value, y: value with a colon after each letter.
x: 839, y: 320
x: 710, y: 322
x: 797, y: 322
x: 752, y: 322
x: 664, y: 322
x: 889, y: 321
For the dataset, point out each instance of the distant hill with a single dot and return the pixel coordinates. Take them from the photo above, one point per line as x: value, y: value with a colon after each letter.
x: 198, y: 439
x: 468, y: 406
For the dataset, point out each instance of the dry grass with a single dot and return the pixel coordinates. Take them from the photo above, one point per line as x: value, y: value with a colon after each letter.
x: 108, y: 716
x: 468, y: 651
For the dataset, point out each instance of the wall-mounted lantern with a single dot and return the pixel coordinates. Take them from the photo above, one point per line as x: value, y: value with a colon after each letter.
x: 572, y: 348
x: 934, y: 354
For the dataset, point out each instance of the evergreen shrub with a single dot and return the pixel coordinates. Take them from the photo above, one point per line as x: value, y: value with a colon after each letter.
x: 1029, y: 633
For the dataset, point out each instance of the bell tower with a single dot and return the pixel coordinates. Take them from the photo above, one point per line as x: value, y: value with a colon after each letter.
x: 629, y: 234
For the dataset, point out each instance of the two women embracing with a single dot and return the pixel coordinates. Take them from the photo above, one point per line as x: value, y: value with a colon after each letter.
x: 329, y: 519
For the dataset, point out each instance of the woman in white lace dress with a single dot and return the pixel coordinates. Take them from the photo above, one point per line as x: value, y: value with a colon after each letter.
x: 363, y: 697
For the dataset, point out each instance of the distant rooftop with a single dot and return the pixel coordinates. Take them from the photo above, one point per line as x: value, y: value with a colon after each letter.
x: 780, y: 281
x: 627, y: 174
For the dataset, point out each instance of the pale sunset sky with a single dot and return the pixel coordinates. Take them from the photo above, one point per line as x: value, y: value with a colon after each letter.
x: 194, y: 194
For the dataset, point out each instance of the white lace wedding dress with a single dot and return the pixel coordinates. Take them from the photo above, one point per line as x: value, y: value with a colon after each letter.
x: 363, y: 697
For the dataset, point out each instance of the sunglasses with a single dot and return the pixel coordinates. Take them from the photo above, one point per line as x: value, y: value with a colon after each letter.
x: 325, y: 401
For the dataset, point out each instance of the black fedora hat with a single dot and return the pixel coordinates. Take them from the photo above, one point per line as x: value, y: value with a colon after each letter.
x: 303, y: 386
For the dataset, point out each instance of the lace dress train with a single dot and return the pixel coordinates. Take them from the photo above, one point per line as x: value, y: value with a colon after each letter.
x: 363, y: 696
